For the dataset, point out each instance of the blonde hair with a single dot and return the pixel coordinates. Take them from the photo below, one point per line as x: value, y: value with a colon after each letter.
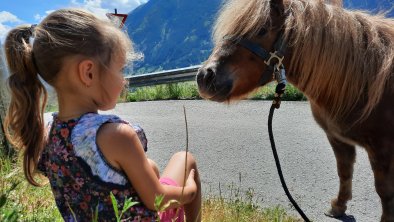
x: 63, y: 33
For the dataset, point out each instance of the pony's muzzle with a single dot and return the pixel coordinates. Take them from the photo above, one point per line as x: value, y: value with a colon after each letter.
x: 206, y: 81
x: 211, y: 86
x: 205, y: 77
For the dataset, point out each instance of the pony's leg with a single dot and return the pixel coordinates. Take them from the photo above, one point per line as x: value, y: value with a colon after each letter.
x: 382, y: 162
x: 345, y: 155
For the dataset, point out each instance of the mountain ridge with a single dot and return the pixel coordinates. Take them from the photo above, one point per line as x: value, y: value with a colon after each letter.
x: 177, y: 33
x: 172, y: 33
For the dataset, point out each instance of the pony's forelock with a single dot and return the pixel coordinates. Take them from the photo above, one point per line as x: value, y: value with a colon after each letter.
x: 241, y: 18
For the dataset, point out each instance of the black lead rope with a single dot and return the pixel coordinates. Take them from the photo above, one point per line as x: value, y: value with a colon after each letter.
x: 279, y: 74
x: 280, y: 89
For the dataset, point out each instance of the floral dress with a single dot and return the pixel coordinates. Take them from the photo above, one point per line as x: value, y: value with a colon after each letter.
x: 81, y: 178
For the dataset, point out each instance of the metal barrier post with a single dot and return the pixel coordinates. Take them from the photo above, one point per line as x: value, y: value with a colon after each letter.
x: 4, y: 100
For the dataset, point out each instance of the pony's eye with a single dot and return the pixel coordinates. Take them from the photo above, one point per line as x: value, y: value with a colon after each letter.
x: 262, y: 32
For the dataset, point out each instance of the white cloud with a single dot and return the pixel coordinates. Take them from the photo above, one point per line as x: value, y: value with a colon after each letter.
x: 97, y: 7
x: 6, y: 19
x: 101, y: 7
x: 38, y: 18
x: 93, y: 6
x: 3, y: 31
x: 123, y: 6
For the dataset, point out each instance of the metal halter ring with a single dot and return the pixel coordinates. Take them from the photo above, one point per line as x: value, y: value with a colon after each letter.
x: 274, y: 55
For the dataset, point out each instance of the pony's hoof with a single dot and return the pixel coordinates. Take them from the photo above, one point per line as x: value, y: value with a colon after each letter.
x: 334, y: 214
x: 336, y: 210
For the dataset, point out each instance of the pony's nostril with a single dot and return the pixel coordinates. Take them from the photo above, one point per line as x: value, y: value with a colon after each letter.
x: 205, y: 77
x: 210, y: 71
x: 209, y: 75
x: 200, y: 76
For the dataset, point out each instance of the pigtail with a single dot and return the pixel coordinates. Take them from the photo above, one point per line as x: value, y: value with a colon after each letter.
x: 24, y: 123
x: 63, y: 33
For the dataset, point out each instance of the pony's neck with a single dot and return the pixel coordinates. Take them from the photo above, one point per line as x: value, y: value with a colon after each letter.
x: 337, y: 56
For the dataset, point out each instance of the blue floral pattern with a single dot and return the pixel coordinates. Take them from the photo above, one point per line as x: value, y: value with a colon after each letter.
x: 80, y: 177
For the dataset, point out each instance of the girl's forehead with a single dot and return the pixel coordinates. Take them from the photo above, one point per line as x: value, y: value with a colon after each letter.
x: 120, y: 57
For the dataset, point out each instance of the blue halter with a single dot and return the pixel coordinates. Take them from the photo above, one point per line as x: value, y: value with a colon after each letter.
x: 274, y: 60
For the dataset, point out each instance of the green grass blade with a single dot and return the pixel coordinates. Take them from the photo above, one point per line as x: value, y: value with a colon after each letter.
x: 115, y: 206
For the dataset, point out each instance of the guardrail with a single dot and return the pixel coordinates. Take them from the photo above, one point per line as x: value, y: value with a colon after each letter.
x: 163, y: 77
x: 4, y: 99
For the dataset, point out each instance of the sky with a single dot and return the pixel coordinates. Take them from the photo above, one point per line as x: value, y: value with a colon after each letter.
x: 17, y: 12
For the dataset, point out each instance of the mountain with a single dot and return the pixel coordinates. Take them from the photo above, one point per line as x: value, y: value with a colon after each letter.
x: 177, y: 33
x: 172, y: 33
x: 373, y: 6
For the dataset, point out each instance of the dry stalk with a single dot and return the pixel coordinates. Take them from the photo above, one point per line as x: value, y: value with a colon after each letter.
x: 187, y: 150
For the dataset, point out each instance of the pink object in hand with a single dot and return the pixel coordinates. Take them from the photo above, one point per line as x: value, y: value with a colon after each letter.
x: 170, y: 215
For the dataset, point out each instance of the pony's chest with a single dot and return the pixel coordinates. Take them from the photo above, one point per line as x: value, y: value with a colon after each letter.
x: 332, y: 127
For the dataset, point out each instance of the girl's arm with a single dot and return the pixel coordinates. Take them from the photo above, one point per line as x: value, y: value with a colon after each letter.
x: 122, y: 148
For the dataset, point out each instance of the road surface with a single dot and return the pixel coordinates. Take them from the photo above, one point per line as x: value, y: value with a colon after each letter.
x: 231, y: 145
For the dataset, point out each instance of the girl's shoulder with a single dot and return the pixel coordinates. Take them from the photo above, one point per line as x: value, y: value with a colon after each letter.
x: 90, y: 123
x: 87, y: 120
x: 84, y: 138
x: 96, y: 120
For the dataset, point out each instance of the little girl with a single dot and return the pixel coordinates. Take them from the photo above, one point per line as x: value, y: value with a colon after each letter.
x: 85, y: 155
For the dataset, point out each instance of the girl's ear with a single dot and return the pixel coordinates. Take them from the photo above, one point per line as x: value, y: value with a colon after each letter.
x: 86, y: 72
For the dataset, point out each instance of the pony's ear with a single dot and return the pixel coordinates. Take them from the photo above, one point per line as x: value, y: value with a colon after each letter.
x: 278, y: 7
x: 336, y: 3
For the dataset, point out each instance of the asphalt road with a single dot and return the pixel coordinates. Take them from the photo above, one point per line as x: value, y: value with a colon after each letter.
x: 231, y: 145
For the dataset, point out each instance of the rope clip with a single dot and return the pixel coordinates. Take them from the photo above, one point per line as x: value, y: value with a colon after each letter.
x: 280, y: 77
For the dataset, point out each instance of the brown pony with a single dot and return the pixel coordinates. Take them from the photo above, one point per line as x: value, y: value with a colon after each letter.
x: 341, y: 60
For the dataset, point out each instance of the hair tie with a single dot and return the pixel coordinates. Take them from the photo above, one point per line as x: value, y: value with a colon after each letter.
x: 33, y: 58
x: 32, y: 28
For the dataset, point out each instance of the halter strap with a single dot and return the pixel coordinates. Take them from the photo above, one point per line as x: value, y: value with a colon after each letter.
x: 273, y: 60
x: 273, y: 67
x: 256, y: 49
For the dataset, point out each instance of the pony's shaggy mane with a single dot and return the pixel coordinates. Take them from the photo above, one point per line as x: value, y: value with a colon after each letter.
x: 241, y: 18
x: 339, y: 57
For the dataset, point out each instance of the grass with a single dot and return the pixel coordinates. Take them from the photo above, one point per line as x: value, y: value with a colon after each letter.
x: 174, y: 91
x: 267, y: 93
x: 241, y: 205
x: 188, y: 90
x: 30, y: 203
x: 217, y: 209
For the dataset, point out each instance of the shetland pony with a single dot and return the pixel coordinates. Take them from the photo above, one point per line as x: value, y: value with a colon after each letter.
x: 341, y: 60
